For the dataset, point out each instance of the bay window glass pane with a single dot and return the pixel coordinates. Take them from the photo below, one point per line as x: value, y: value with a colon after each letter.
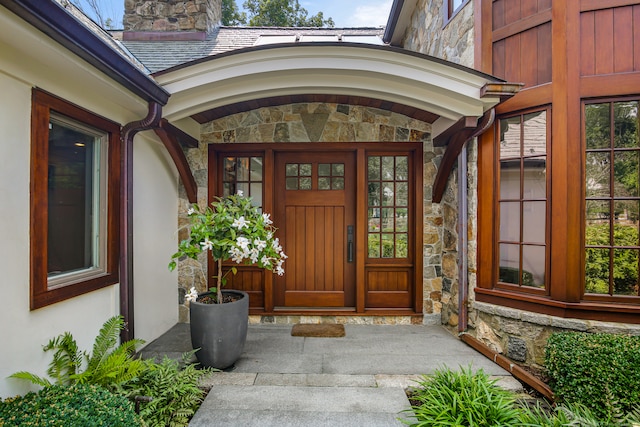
x: 597, y: 271
x: 625, y: 115
x: 625, y: 173
x: 535, y: 133
x: 597, y: 226
x: 229, y: 169
x: 509, y: 263
x: 625, y: 272
x: 510, y: 179
x: 75, y: 189
x: 534, y: 218
x: 510, y: 221
x: 598, y: 125
x: 625, y: 223
x: 535, y: 178
x: 598, y: 174
x: 533, y: 266
x: 510, y: 137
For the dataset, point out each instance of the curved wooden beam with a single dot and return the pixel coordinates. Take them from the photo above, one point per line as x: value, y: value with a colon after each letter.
x: 170, y: 139
x: 455, y: 138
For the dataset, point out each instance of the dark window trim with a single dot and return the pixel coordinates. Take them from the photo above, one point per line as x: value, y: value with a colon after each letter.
x: 449, y: 13
x: 42, y: 105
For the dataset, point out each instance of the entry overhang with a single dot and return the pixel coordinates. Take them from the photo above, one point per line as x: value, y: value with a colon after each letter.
x: 394, y: 75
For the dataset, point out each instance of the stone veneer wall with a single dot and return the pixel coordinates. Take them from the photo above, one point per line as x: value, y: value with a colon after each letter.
x: 426, y: 34
x: 172, y: 15
x: 327, y: 122
x: 454, y: 43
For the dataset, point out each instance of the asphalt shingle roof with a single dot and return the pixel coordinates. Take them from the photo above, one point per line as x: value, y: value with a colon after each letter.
x: 160, y: 55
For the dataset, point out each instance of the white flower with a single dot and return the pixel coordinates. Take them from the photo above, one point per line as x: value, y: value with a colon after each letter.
x: 265, y: 261
x: 239, y: 223
x: 242, y: 242
x: 192, y: 295
x: 207, y: 244
x: 240, y: 193
x: 279, y: 270
x: 191, y: 211
x: 267, y: 219
x: 260, y: 244
x: 254, y: 255
x: 236, y: 254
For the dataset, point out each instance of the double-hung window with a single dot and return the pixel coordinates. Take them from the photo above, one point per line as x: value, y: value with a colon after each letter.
x: 75, y: 180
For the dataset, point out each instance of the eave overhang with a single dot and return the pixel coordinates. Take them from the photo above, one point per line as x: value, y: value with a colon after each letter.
x: 448, y: 91
x: 50, y: 18
x: 399, y: 20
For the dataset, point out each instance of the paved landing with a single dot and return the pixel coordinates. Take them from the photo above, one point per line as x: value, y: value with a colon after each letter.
x: 356, y: 380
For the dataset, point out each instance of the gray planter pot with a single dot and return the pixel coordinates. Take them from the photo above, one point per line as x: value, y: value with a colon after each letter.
x: 219, y: 330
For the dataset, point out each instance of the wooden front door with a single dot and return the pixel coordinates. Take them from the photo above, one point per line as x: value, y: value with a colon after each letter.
x: 315, y: 208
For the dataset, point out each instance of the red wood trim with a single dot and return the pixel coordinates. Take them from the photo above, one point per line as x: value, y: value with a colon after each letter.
x: 418, y: 207
x: 268, y: 183
x: 522, y: 25
x: 42, y: 104
x: 527, y: 98
x: 182, y: 137
x: 361, y: 232
x: 465, y: 123
x: 180, y: 160
x: 483, y: 24
x: 589, y: 5
x: 622, y: 313
x: 610, y: 85
x: 486, y: 220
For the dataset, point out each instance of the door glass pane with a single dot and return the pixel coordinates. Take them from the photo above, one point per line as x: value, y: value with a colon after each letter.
x: 255, y: 191
x: 242, y: 169
x: 256, y: 169
x: 374, y: 220
x: 402, y: 245
x: 373, y: 168
x: 402, y: 168
x: 374, y: 194
x: 324, y: 169
x: 374, y: 245
x: 291, y: 169
x: 387, y: 194
x: 305, y: 169
x: 305, y: 183
x: 337, y: 183
x: 337, y: 169
x: 387, y: 245
x: 533, y: 266
x: 401, y: 219
x: 324, y: 183
x: 292, y: 183
x: 402, y: 193
x: 388, y: 170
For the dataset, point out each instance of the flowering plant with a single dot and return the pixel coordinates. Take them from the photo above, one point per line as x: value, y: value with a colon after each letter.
x: 231, y: 228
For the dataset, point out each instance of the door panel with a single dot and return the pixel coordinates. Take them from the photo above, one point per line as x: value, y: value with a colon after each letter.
x: 315, y: 202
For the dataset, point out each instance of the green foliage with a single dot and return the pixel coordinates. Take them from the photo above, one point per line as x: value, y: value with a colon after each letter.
x: 231, y: 15
x: 282, y: 13
x: 174, y: 391
x: 462, y: 398
x: 596, y: 371
x: 625, y: 262
x: 79, y: 405
x: 105, y: 366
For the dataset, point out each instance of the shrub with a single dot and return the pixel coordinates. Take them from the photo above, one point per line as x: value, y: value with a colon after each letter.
x: 174, y: 391
x: 597, y: 371
x: 79, y: 405
x: 462, y: 398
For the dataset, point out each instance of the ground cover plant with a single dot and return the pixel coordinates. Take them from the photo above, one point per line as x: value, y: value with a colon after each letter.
x: 78, y: 405
x: 171, y: 387
x: 598, y: 371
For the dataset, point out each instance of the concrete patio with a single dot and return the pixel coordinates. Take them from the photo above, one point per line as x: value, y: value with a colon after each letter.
x: 356, y: 380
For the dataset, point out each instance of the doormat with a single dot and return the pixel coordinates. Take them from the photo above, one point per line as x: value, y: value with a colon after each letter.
x: 317, y: 330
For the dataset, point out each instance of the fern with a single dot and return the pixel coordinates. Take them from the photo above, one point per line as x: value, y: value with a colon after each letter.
x: 67, y: 359
x: 35, y: 379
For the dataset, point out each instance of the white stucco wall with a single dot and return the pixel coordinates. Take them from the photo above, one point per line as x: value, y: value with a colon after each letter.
x: 28, y: 59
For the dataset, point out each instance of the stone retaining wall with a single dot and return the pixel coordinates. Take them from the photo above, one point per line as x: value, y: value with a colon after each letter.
x: 328, y: 122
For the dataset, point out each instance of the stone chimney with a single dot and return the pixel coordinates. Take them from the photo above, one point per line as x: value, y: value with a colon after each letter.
x: 160, y: 18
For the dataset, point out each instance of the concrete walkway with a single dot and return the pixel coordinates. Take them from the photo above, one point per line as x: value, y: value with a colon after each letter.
x: 357, y: 380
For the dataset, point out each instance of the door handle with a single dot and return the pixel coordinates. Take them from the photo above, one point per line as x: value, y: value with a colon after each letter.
x: 350, y: 243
